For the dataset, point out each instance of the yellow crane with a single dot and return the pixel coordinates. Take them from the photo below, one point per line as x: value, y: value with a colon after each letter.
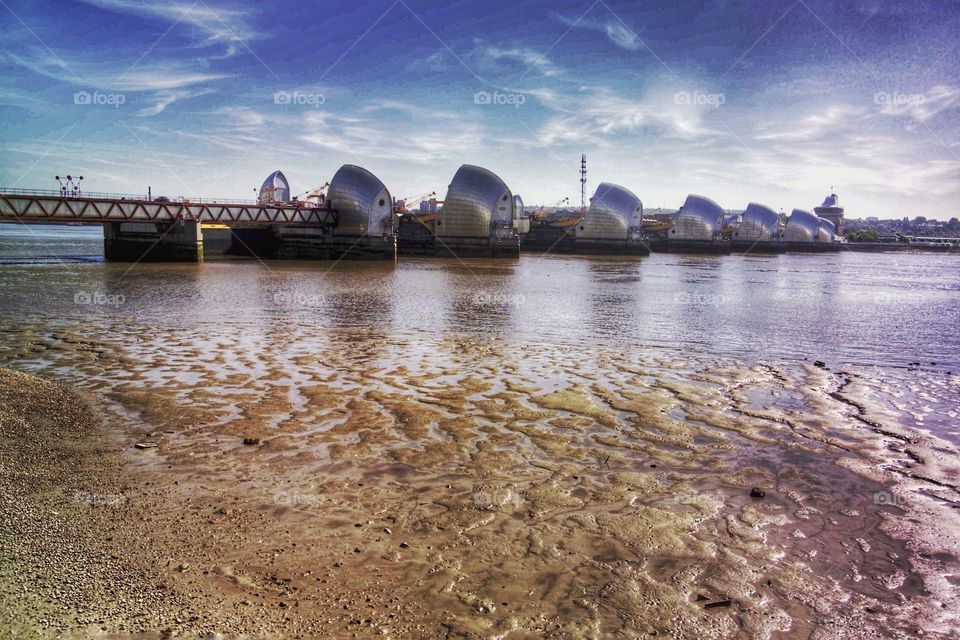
x: 402, y: 205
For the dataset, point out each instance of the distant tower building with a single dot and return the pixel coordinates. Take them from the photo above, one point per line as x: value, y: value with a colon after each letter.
x: 832, y: 211
x: 583, y: 182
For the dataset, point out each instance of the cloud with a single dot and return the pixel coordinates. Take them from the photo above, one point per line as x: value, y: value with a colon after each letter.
x: 615, y: 30
x: 600, y: 115
x: 920, y: 107
x: 528, y: 58
x: 817, y: 126
x: 166, y: 98
x: 215, y: 26
x: 420, y: 141
x: 153, y: 77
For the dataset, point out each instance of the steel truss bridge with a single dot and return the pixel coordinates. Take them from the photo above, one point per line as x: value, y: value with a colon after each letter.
x: 39, y: 206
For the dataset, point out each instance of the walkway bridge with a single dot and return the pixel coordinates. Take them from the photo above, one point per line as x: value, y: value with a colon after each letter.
x: 139, y: 228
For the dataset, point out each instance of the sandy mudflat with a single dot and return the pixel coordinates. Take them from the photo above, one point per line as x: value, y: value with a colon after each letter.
x: 77, y: 557
x: 466, y: 490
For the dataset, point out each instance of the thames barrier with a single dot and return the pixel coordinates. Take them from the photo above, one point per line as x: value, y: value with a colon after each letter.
x: 355, y: 217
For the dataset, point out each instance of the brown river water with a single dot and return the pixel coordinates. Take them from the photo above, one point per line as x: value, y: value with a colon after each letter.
x: 545, y: 447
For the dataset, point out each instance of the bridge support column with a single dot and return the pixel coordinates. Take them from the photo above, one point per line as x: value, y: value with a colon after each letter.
x: 179, y: 241
x: 304, y: 243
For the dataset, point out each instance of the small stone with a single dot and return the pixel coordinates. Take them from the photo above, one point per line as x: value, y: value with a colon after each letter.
x: 820, y: 363
x: 404, y: 545
x: 387, y: 530
x: 718, y: 603
x: 757, y: 493
x: 251, y: 441
x: 146, y: 445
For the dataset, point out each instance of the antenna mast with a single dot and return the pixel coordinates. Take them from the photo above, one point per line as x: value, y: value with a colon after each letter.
x: 583, y: 181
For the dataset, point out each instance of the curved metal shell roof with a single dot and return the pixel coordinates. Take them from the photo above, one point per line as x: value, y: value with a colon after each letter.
x: 363, y: 204
x: 613, y: 211
x: 519, y: 211
x: 759, y: 224
x: 700, y: 218
x: 826, y: 231
x: 802, y: 226
x: 274, y: 189
x: 476, y: 201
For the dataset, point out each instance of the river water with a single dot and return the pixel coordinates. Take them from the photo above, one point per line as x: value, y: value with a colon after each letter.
x: 506, y: 381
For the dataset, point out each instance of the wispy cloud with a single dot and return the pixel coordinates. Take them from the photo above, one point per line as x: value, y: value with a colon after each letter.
x: 599, y: 115
x: 421, y: 141
x: 97, y: 75
x: 165, y: 98
x: 212, y: 25
x: 819, y: 125
x: 921, y: 107
x: 615, y: 30
x: 527, y: 59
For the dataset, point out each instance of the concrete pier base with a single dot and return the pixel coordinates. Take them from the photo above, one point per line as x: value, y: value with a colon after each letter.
x: 297, y: 243
x: 745, y: 246
x: 179, y: 241
x: 415, y: 238
x: 595, y: 247
x: 465, y: 247
x: 549, y: 239
x: 689, y: 246
x: 813, y: 247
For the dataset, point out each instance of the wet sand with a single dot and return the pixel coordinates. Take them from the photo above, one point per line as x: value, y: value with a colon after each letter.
x: 419, y: 486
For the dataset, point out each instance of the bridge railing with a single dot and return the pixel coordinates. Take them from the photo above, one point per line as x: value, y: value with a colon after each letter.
x: 142, y: 197
x: 57, y: 193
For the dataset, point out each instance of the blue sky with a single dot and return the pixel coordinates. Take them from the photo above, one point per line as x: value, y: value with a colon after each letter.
x: 773, y: 102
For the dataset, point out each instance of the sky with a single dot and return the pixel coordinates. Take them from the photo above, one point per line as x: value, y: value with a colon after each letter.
x: 774, y: 102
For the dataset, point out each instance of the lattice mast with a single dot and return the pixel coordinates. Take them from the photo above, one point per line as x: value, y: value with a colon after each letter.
x: 583, y: 182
